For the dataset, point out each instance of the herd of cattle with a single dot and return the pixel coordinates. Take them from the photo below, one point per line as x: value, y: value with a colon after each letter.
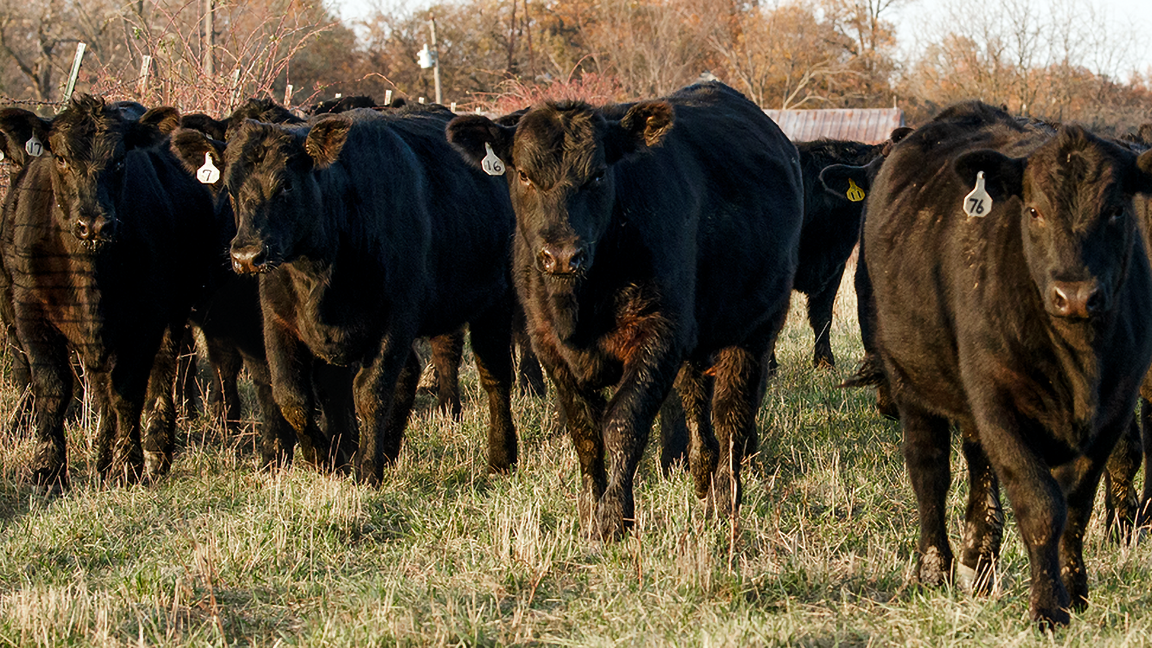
x: 646, y: 249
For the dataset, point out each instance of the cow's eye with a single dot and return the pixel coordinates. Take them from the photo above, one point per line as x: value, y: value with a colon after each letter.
x: 524, y: 179
x: 596, y: 180
x: 62, y: 164
x: 1035, y: 214
x: 119, y: 166
x: 1116, y: 215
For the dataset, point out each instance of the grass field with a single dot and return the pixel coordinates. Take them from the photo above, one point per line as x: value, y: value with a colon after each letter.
x: 445, y: 554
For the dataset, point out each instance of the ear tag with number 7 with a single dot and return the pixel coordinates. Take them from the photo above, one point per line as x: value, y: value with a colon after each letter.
x: 208, y: 174
x: 978, y: 202
x: 34, y: 147
x: 491, y: 162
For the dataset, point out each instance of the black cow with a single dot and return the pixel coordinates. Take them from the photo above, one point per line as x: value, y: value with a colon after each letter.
x: 265, y: 110
x: 1025, y: 323
x: 108, y: 245
x: 367, y: 231
x: 16, y: 130
x: 230, y: 315
x: 831, y: 229
x: 651, y: 237
x: 846, y: 183
x: 1124, y: 510
x: 345, y: 104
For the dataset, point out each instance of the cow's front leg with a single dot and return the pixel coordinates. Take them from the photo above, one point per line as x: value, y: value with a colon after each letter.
x: 491, y: 337
x: 128, y: 388
x: 627, y: 422
x: 374, y: 390
x: 290, y: 365
x: 159, y: 424
x: 52, y: 387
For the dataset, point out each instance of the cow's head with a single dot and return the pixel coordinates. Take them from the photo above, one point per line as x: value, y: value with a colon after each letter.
x: 269, y: 175
x: 560, y: 159
x: 90, y: 142
x: 1074, y: 198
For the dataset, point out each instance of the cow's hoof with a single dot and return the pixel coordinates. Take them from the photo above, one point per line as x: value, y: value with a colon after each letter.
x: 50, y: 482
x: 934, y: 569
x: 156, y: 465
x: 979, y: 581
x: 1050, y: 618
x: 611, y: 524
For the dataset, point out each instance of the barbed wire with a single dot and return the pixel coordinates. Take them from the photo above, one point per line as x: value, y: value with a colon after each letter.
x: 6, y: 100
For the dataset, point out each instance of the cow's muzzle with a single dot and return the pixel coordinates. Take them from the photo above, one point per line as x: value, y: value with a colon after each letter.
x: 249, y: 259
x: 1076, y: 299
x: 95, y: 230
x: 564, y: 260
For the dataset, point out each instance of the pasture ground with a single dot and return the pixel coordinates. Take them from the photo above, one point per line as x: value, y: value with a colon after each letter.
x: 219, y: 554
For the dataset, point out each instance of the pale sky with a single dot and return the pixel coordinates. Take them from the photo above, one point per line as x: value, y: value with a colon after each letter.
x: 1129, y: 19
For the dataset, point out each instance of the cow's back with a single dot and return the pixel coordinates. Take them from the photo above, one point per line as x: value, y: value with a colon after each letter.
x: 726, y: 173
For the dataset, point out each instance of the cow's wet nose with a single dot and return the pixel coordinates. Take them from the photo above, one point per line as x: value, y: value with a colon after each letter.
x: 1078, y: 299
x: 250, y: 258
x: 563, y: 260
x: 92, y: 229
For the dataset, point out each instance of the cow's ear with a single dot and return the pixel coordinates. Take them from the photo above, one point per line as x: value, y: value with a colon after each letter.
x: 469, y: 133
x: 899, y: 134
x: 848, y: 182
x: 152, y: 127
x: 644, y: 125
x: 1144, y: 173
x: 326, y: 139
x: 17, y: 127
x: 213, y: 128
x: 191, y: 146
x: 1003, y: 175
x: 1145, y: 134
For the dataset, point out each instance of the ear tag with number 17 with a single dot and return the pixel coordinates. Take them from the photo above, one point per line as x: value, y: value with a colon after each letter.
x: 491, y: 162
x: 34, y: 147
x: 208, y: 174
x: 978, y: 202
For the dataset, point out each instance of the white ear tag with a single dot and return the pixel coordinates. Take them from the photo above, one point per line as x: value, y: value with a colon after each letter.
x: 854, y: 193
x: 978, y: 202
x: 208, y: 174
x: 1, y: 156
x: 491, y: 163
x: 34, y: 147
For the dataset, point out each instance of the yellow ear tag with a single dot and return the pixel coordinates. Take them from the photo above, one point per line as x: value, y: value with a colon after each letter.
x: 855, y: 193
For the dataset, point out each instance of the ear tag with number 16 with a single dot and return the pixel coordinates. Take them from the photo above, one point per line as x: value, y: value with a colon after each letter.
x: 978, y: 202
x: 491, y: 163
x: 208, y: 174
x: 34, y: 147
x: 1, y: 156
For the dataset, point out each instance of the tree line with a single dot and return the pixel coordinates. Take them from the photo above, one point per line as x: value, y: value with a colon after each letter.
x: 1058, y: 61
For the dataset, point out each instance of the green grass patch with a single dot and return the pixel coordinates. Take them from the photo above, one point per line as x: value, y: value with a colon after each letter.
x: 220, y: 554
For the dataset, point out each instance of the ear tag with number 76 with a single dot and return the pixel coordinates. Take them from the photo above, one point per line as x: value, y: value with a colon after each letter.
x: 491, y: 162
x: 978, y: 202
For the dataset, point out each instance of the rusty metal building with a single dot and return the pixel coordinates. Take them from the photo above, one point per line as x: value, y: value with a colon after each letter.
x: 869, y: 125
